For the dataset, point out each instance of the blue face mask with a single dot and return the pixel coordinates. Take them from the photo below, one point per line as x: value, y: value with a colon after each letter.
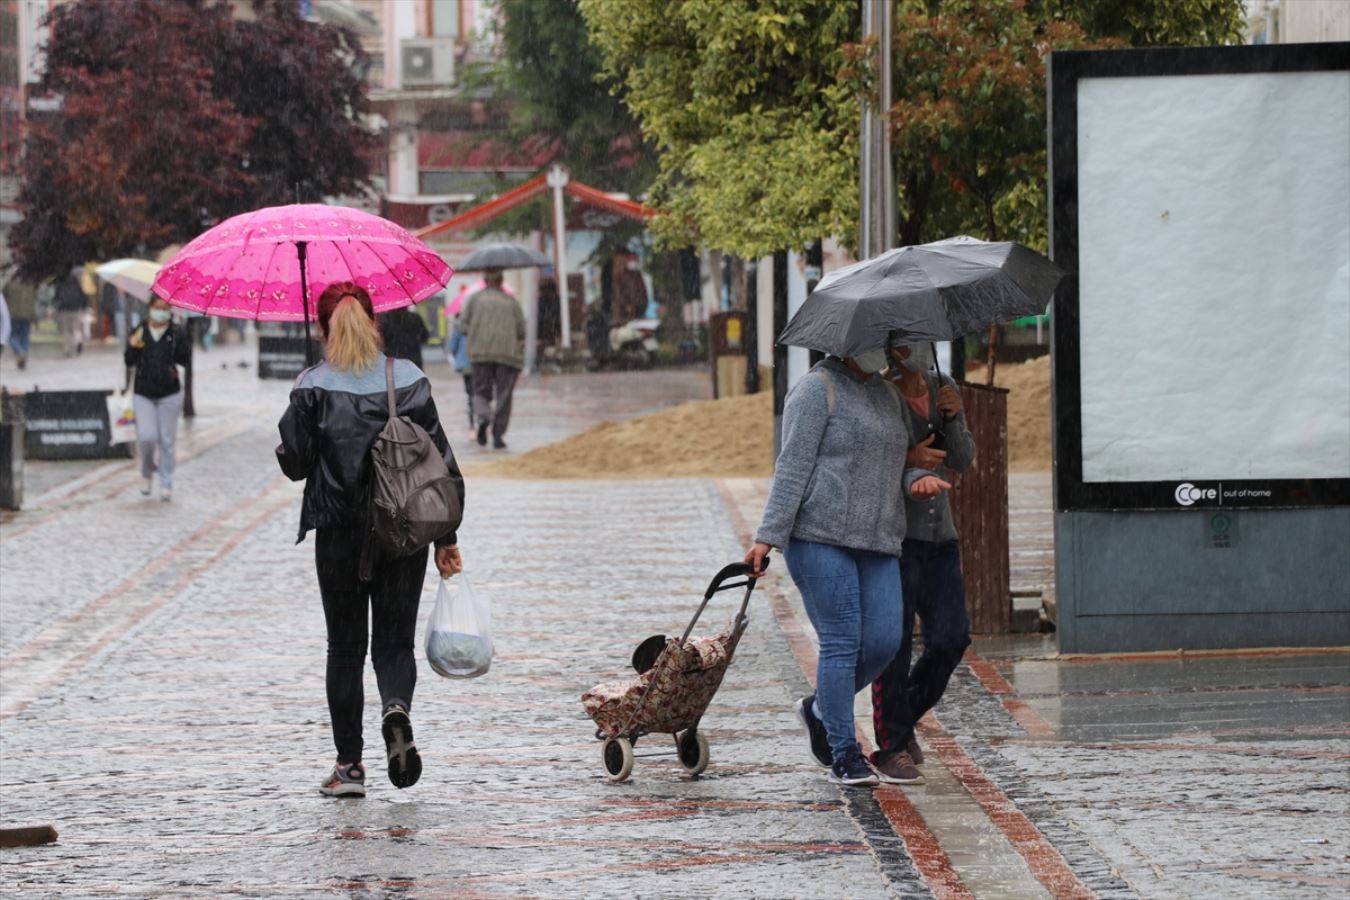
x: 159, y: 316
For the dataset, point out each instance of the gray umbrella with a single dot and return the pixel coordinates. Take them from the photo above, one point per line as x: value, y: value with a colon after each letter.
x: 928, y: 292
x: 502, y: 256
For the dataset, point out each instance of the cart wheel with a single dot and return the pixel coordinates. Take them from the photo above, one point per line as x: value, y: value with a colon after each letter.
x: 693, y: 749
x: 617, y: 754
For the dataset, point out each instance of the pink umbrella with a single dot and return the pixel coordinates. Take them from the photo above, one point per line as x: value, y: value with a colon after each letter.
x: 260, y: 265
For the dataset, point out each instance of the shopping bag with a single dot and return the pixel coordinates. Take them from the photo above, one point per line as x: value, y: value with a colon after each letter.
x: 121, y: 419
x: 459, y: 632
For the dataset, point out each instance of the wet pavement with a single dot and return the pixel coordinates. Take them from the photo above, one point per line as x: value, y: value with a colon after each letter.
x: 161, y: 704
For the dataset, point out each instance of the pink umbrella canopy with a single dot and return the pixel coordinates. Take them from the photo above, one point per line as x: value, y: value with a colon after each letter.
x: 248, y: 267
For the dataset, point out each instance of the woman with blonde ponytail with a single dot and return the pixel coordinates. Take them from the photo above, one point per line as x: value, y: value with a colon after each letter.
x: 337, y: 409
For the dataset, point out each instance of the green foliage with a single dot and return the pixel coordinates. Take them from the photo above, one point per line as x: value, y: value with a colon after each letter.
x: 756, y: 123
x: 553, y: 73
x: 1149, y: 23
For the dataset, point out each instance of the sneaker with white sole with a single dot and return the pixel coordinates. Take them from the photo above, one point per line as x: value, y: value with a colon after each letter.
x: 405, y: 765
x: 148, y: 487
x: 852, y: 770
x: 815, y: 730
x: 345, y: 781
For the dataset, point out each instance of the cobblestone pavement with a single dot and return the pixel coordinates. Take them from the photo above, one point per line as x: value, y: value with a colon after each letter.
x: 161, y: 703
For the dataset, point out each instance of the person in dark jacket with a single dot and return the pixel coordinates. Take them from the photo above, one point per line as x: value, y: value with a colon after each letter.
x: 155, y: 349
x: 930, y: 569
x: 337, y: 409
x: 404, y: 333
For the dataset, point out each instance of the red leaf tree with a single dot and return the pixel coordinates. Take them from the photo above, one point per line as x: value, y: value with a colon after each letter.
x: 173, y: 116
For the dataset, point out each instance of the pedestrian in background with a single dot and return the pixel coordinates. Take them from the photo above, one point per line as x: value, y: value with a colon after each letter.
x: 337, y: 410
x: 155, y: 349
x: 930, y: 570
x: 495, y: 326
x: 4, y: 323
x: 21, y: 295
x: 836, y: 510
x: 457, y: 350
x: 72, y: 305
x: 403, y: 332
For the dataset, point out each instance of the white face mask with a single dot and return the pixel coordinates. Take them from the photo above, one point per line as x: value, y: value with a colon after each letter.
x: 920, y: 358
x: 872, y: 361
x: 159, y: 316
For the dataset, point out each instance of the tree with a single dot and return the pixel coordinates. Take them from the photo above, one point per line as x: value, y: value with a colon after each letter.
x: 756, y: 126
x: 1149, y: 23
x: 166, y: 125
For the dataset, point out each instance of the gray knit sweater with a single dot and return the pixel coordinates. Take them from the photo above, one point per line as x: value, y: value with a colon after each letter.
x: 840, y: 478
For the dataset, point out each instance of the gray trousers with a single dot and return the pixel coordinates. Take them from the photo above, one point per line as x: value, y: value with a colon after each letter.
x: 157, y: 426
x: 489, y: 379
x: 71, y: 322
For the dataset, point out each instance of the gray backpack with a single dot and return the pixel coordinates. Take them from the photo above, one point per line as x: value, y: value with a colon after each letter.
x: 413, y: 498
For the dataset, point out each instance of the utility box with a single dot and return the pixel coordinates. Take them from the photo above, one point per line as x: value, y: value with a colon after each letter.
x: 979, y: 500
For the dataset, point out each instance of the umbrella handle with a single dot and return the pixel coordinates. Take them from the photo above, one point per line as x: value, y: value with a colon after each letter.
x: 300, y: 250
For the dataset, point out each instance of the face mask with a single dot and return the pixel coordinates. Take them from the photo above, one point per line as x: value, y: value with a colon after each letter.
x: 872, y: 361
x: 920, y: 358
x: 159, y: 316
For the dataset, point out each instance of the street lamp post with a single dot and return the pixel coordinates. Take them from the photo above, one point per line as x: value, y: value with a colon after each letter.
x: 877, y: 176
x: 557, y: 179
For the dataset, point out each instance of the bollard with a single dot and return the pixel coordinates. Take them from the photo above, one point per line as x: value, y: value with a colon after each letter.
x: 11, y: 450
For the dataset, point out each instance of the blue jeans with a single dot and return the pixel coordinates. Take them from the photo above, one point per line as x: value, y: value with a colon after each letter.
x: 934, y: 589
x: 853, y: 599
x: 19, y: 330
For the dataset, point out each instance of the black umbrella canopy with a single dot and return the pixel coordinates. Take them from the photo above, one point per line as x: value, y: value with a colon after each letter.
x: 928, y: 292
x: 502, y: 256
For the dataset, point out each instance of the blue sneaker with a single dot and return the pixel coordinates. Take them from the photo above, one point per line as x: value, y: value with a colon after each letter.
x: 852, y: 769
x: 815, y: 730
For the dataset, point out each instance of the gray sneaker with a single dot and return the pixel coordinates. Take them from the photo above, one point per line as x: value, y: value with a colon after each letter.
x: 897, y: 768
x: 345, y: 781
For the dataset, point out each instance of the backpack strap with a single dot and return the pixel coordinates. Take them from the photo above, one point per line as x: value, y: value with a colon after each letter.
x: 389, y: 385
x: 829, y: 390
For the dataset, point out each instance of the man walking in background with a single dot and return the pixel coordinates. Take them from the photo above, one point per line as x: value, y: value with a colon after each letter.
x: 495, y: 327
x: 21, y: 295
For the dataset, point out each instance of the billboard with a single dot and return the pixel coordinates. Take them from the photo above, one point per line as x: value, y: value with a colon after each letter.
x: 1201, y: 206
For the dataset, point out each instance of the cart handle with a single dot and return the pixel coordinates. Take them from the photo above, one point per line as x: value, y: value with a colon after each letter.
x: 735, y: 570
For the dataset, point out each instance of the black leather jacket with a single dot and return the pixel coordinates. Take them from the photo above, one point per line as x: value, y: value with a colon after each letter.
x: 329, y: 428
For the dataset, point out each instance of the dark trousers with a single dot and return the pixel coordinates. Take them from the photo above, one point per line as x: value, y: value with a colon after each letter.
x: 491, y: 379
x: 468, y: 395
x: 930, y: 575
x: 389, y: 600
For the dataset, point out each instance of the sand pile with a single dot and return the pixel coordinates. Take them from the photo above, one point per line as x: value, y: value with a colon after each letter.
x: 726, y: 438
x: 733, y: 438
x: 1028, y: 385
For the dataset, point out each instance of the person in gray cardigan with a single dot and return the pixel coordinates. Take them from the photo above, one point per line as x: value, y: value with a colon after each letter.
x: 494, y: 325
x: 836, y: 510
x: 930, y: 570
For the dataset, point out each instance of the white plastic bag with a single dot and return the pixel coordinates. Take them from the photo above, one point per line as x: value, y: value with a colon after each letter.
x: 459, y: 632
x: 121, y: 418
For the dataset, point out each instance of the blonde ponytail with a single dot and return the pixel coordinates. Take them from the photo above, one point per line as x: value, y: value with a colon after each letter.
x: 353, y: 340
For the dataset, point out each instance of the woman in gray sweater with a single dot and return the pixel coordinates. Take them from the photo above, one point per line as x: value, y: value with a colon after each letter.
x: 836, y: 510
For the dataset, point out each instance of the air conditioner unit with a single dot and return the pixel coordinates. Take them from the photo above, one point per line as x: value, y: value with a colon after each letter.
x: 427, y: 62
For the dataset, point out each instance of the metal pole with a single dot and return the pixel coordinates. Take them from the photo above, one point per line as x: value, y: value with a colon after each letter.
x: 300, y: 248
x: 877, y: 177
x: 557, y: 179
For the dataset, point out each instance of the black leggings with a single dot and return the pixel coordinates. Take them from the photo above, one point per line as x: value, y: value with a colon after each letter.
x: 393, y: 594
